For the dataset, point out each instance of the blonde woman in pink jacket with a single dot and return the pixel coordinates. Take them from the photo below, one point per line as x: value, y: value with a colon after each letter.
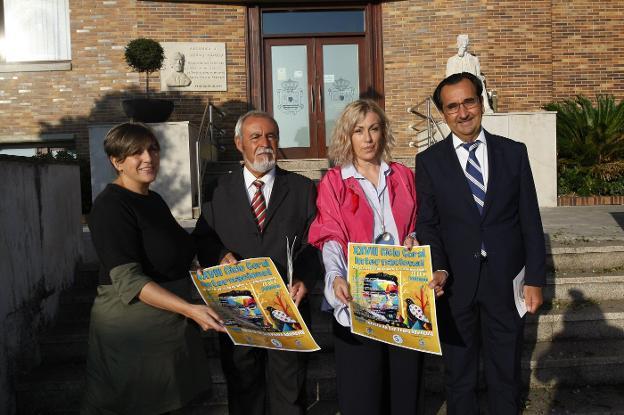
x: 365, y: 198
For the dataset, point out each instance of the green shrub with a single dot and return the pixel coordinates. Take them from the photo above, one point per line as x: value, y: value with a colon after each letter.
x: 590, y: 146
x: 588, y: 135
x: 584, y: 181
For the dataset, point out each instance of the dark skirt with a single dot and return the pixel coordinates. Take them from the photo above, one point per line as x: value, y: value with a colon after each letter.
x: 141, y: 360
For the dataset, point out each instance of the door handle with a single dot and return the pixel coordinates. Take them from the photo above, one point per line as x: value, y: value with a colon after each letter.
x: 312, y: 95
x: 320, y: 98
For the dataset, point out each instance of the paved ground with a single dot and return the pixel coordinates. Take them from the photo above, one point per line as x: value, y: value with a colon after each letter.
x: 590, y: 224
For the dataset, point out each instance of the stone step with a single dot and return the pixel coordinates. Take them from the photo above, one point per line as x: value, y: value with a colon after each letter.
x: 551, y: 364
x: 585, y: 400
x: 50, y: 387
x: 556, y: 321
x: 576, y: 320
x: 586, y: 257
x: 294, y: 164
x: 311, y: 168
x: 567, y: 285
x: 576, y: 362
x: 565, y: 362
x: 60, y: 386
x: 575, y: 316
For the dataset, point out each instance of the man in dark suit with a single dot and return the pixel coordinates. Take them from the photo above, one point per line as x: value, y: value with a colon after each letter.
x: 477, y: 208
x: 249, y: 213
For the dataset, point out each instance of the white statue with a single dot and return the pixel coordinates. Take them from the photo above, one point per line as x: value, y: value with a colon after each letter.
x: 465, y: 62
x: 178, y: 78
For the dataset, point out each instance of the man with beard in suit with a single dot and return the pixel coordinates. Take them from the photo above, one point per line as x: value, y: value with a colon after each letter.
x: 249, y: 213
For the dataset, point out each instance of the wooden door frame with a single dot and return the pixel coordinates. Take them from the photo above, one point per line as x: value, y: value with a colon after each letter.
x: 255, y: 53
x: 364, y: 78
x: 295, y: 152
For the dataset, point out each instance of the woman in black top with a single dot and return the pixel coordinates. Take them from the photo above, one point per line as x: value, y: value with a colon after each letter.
x: 144, y: 356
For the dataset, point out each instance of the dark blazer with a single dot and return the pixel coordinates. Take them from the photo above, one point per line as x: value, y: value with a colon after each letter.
x: 449, y: 221
x: 227, y: 224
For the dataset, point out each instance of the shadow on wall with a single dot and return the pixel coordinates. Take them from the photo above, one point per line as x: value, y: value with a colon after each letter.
x: 107, y: 109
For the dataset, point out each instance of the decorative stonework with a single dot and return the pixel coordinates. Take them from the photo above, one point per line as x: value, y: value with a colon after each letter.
x: 193, y: 66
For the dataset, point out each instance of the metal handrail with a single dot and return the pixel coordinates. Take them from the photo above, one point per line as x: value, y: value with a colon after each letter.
x: 431, y: 122
x: 211, y: 131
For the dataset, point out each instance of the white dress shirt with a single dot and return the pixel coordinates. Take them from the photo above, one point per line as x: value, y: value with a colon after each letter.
x: 481, y: 153
x: 268, y: 179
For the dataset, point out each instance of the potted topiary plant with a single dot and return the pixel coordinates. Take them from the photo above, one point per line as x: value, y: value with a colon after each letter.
x: 146, y: 55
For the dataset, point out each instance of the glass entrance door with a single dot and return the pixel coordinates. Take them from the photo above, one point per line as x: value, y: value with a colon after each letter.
x: 308, y: 82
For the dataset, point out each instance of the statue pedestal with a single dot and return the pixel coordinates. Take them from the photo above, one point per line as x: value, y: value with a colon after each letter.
x: 538, y: 130
x: 177, y: 177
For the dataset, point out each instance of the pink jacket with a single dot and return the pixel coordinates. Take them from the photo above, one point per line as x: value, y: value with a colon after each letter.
x: 343, y: 214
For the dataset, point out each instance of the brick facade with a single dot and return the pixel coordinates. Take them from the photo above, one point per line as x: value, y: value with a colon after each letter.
x: 33, y: 103
x: 531, y: 52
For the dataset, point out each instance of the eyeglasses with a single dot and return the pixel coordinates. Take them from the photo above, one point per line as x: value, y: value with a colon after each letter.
x: 468, y: 103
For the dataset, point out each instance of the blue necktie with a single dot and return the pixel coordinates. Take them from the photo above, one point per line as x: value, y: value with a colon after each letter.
x: 475, y: 179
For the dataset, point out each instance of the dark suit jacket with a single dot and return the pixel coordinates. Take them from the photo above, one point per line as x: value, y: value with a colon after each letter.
x: 510, y: 226
x: 227, y: 224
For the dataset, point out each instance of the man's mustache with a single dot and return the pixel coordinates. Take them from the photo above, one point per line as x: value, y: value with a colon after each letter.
x: 265, y: 150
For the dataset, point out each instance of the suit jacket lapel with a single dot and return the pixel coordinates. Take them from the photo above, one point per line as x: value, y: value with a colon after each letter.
x: 278, y: 194
x: 240, y: 200
x: 458, y: 177
x: 494, y: 164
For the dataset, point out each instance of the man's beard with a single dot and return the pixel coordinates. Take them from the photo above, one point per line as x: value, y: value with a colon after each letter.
x: 263, y: 164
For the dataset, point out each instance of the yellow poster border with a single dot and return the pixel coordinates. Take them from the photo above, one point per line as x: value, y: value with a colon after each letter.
x: 243, y: 276
x: 387, y: 260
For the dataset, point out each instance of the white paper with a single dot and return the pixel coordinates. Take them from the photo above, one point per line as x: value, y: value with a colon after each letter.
x: 289, y: 259
x: 518, y: 287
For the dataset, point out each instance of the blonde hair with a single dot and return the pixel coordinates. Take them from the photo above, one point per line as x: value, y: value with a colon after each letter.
x: 340, y: 149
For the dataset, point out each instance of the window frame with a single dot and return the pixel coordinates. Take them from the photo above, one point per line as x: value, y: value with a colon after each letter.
x: 32, y: 66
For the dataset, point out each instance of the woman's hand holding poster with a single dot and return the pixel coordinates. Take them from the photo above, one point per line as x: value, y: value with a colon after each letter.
x: 392, y: 301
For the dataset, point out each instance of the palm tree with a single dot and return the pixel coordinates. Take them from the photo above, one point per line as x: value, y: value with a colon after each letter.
x: 590, y: 143
x: 588, y: 136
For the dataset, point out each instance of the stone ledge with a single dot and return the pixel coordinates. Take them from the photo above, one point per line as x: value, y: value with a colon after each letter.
x: 35, y: 66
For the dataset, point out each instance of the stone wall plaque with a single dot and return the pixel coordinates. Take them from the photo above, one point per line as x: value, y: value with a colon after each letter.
x: 193, y: 66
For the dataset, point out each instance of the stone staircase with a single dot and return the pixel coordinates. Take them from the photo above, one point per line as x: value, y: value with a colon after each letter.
x: 573, y: 360
x: 312, y: 168
x: 576, y: 343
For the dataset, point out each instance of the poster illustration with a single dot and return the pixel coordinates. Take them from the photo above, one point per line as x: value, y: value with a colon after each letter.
x: 252, y: 299
x: 392, y: 301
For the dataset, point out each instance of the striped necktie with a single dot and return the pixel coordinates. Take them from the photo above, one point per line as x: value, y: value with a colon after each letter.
x: 258, y: 205
x: 475, y: 179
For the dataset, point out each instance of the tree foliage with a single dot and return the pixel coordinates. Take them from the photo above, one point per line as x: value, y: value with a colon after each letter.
x: 144, y: 55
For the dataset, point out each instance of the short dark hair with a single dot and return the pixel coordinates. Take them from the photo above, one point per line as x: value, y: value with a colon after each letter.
x: 129, y: 138
x: 455, y: 79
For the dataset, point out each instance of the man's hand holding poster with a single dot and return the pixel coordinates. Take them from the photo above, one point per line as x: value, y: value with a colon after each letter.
x: 392, y: 302
x: 255, y: 305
